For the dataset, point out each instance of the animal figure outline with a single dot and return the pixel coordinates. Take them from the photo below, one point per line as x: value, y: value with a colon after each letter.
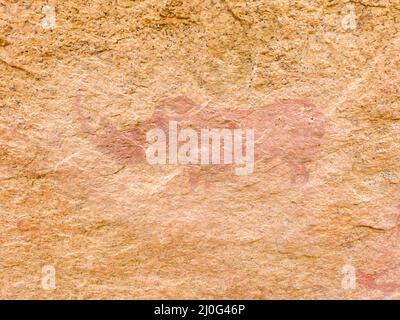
x: 291, y: 129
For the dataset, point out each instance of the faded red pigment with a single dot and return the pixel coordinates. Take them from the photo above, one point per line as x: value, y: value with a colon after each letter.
x: 289, y: 129
x: 376, y: 281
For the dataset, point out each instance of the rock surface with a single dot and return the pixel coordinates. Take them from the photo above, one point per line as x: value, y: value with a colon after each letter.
x: 83, y: 215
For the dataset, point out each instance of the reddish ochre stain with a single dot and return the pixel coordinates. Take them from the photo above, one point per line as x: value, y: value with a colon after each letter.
x: 289, y: 129
x: 27, y: 226
x: 376, y: 281
x: 372, y: 282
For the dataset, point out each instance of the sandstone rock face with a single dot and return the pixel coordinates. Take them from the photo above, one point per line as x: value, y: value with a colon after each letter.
x: 85, y: 215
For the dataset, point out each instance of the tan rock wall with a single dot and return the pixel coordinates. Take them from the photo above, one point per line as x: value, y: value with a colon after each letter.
x: 83, y: 215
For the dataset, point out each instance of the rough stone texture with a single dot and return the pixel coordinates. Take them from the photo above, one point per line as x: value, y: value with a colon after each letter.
x: 77, y: 89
